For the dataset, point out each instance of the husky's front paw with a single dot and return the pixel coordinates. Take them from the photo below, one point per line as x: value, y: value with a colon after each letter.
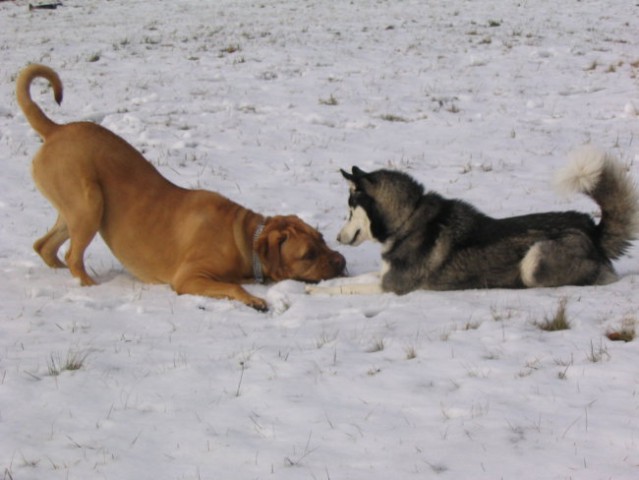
x: 325, y: 288
x: 312, y: 289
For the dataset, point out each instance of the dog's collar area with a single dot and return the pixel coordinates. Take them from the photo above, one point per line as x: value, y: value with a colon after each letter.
x: 258, y: 273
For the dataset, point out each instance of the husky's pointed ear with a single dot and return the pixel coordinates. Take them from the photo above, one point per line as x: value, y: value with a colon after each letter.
x: 358, y: 172
x: 355, y: 178
x: 347, y: 176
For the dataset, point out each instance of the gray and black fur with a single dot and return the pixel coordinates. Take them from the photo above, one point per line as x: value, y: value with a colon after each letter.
x: 431, y: 242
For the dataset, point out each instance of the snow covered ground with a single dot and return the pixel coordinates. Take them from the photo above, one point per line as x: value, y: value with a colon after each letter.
x: 264, y: 101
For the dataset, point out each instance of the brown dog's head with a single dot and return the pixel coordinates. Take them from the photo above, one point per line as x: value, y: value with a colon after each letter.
x: 289, y: 248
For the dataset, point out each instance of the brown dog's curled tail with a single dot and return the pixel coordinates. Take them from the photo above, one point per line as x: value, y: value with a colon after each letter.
x: 36, y: 117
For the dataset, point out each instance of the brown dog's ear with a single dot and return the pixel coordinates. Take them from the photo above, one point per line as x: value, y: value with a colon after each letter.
x: 268, y: 248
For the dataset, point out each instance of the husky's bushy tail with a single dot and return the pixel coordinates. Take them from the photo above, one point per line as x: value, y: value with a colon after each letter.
x: 605, y: 179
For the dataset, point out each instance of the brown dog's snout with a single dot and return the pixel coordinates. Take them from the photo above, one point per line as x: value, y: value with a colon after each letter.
x: 338, y: 262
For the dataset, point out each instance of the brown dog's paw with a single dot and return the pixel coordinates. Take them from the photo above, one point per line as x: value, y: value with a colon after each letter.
x: 258, y: 304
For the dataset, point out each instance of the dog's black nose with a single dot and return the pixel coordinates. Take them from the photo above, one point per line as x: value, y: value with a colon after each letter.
x: 338, y: 261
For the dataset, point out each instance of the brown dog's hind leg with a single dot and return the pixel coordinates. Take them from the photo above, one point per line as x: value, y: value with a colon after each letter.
x: 47, y: 246
x: 75, y: 260
x: 83, y: 223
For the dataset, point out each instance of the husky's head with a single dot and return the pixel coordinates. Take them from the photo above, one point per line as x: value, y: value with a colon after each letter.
x: 379, y: 202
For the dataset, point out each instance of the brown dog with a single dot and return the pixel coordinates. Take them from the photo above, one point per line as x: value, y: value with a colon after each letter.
x: 197, y: 241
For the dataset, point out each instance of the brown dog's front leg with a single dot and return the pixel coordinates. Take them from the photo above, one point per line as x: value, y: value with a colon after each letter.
x: 208, y: 287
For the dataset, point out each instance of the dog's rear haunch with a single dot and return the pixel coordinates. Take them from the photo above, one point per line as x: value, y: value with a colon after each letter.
x: 430, y: 242
x: 197, y: 241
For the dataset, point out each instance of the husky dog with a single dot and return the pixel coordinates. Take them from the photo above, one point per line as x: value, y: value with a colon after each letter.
x: 434, y: 243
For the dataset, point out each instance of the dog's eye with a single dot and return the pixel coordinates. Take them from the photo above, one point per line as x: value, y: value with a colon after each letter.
x: 310, y: 255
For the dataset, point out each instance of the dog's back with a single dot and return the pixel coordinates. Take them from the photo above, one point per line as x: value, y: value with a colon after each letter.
x: 85, y: 157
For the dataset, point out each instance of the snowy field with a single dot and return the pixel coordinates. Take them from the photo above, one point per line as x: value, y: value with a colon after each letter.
x: 264, y: 101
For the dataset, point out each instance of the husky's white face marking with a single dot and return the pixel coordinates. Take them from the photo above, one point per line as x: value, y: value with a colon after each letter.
x: 357, y: 229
